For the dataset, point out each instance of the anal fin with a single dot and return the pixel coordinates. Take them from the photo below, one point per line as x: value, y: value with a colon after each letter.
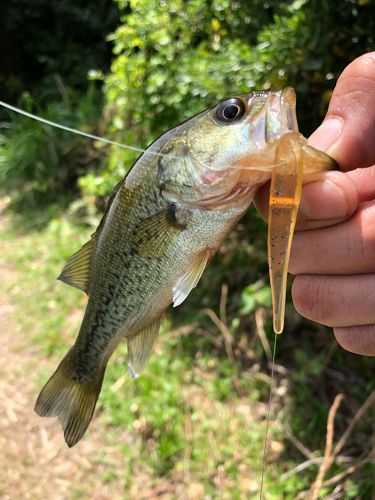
x: 140, y: 347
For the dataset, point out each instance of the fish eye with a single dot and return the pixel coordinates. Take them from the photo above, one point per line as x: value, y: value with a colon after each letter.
x: 230, y: 111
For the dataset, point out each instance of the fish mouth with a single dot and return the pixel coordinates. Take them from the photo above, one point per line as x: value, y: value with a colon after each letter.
x: 274, y: 117
x: 288, y: 103
x: 281, y: 116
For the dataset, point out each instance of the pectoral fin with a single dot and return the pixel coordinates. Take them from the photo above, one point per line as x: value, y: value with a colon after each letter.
x: 154, y: 235
x: 190, y: 278
x: 140, y: 347
x: 76, y: 270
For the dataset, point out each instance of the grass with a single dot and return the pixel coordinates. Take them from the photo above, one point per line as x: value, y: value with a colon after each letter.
x: 195, y: 420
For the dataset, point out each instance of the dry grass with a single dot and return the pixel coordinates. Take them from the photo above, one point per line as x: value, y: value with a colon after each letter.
x: 220, y: 434
x: 34, y: 461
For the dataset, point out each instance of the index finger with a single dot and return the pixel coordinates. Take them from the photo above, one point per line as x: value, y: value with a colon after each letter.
x: 327, y: 200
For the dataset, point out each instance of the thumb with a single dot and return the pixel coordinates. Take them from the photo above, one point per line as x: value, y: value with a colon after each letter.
x: 348, y: 130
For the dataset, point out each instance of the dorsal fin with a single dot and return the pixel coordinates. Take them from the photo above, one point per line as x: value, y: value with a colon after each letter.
x: 77, y: 269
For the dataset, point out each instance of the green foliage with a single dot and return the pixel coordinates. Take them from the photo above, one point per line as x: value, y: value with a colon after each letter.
x: 39, y: 163
x: 41, y: 39
x: 173, y: 59
x: 47, y: 51
x: 255, y: 295
x: 193, y: 409
x: 167, y: 410
x: 196, y: 412
x: 39, y: 247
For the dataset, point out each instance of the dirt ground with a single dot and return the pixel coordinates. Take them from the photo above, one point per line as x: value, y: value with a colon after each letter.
x: 35, y: 463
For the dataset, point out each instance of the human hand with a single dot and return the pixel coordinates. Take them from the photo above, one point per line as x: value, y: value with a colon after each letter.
x: 333, y: 252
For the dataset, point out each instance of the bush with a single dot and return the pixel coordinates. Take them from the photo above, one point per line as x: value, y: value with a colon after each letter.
x: 173, y: 59
x: 40, y: 164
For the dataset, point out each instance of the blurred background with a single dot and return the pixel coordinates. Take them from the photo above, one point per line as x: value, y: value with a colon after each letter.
x: 192, y: 426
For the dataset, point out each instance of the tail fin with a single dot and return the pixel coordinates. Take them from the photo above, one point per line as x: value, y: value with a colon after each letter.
x: 70, y: 399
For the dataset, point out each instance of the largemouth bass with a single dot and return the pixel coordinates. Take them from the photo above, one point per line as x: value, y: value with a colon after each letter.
x: 163, y: 223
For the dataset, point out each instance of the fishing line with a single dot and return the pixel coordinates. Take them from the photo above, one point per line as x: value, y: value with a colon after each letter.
x: 263, y: 168
x: 79, y: 132
x: 258, y: 168
x: 268, y: 419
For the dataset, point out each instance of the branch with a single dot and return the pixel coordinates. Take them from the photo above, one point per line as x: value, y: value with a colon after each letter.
x: 328, y: 457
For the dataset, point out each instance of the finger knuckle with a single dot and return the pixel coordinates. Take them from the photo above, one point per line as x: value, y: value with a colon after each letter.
x: 312, y: 298
x: 367, y: 239
x: 357, y: 339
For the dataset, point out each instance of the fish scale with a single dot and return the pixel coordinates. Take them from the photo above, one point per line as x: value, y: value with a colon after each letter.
x: 124, y: 282
x: 162, y: 225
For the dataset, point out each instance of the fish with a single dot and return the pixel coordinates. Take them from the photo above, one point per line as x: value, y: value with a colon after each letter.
x: 162, y: 225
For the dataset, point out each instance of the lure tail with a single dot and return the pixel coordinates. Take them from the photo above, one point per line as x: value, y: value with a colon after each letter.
x: 70, y: 399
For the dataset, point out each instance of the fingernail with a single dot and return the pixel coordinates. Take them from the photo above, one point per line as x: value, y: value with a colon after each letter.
x: 323, y: 200
x: 327, y: 134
